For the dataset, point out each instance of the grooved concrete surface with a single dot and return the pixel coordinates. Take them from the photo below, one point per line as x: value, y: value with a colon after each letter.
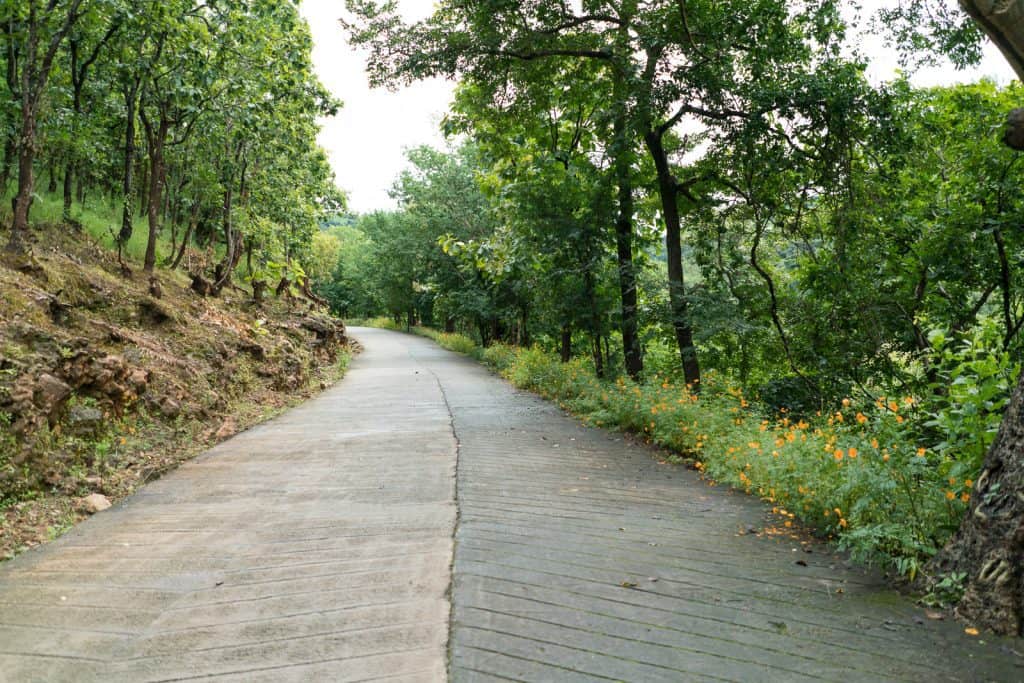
x: 317, y: 547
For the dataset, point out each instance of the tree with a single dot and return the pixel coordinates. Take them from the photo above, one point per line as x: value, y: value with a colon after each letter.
x: 988, y: 548
x: 36, y: 34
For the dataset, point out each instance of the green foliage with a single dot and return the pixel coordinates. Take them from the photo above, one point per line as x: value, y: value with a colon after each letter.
x: 208, y: 117
x: 946, y: 591
x: 975, y: 375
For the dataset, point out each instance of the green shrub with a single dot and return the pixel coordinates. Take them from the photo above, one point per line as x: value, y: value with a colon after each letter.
x: 383, y: 322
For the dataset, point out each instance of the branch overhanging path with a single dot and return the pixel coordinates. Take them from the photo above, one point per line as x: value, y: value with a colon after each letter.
x: 320, y: 547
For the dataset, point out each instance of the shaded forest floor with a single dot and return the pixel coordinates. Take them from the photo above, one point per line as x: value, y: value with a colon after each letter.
x: 104, y: 386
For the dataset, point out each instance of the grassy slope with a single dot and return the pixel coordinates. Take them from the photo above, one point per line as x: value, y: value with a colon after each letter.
x: 214, y: 366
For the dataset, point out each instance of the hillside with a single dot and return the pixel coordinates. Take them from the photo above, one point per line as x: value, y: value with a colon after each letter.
x: 106, y: 381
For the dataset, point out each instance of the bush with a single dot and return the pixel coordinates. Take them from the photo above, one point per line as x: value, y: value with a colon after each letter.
x: 383, y: 322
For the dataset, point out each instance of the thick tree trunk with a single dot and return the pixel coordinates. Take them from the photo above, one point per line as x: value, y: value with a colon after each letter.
x: 668, y: 191
x: 1003, y: 21
x: 989, y: 546
x: 566, y: 345
x: 22, y: 201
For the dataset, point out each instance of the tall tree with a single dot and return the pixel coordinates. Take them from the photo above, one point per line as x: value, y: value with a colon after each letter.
x: 989, y: 546
x: 35, y: 39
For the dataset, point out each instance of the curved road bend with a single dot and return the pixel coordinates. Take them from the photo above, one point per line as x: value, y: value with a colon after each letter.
x: 319, y: 547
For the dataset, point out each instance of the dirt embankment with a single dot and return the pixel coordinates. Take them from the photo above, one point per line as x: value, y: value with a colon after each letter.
x: 106, y: 382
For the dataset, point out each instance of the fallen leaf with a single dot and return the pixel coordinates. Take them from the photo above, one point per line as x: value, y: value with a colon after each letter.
x: 801, y: 563
x: 934, y: 616
x: 971, y: 631
x: 628, y: 584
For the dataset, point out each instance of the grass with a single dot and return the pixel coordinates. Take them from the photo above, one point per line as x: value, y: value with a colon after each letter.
x: 101, y: 220
x: 856, y: 473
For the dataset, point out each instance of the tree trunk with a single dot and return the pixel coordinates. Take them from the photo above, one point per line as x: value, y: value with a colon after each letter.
x: 128, y: 180
x: 22, y: 201
x: 449, y: 324
x: 156, y: 138
x: 192, y: 222
x: 566, y: 345
x: 989, y: 546
x: 51, y: 187
x: 69, y: 186
x: 10, y: 152
x: 598, y: 358
x: 668, y: 190
x: 624, y: 236
x: 1004, y: 23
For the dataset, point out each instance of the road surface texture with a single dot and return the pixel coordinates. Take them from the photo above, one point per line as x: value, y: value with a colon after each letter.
x: 319, y: 547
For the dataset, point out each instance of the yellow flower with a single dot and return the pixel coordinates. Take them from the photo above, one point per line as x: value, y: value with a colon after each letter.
x: 968, y: 483
x: 965, y: 496
x: 861, y: 418
x: 846, y: 403
x: 838, y: 455
x: 894, y: 406
x: 885, y: 457
x: 852, y: 453
x: 874, y: 444
x: 922, y: 451
x: 950, y: 495
x: 842, y: 523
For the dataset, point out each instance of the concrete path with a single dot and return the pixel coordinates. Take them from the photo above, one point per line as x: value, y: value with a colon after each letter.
x: 319, y: 547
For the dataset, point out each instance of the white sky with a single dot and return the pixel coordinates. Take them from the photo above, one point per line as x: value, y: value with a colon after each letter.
x: 367, y: 140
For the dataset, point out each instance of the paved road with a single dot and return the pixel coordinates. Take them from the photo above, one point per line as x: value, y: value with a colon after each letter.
x: 319, y: 547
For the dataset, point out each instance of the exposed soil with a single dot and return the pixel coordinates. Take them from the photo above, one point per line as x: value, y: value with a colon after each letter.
x: 108, y: 381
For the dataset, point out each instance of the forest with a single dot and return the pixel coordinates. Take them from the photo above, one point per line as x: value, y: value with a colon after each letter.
x: 201, y: 117
x: 697, y: 221
x: 702, y: 223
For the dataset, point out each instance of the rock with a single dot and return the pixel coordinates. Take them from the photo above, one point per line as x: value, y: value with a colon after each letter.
x: 139, y: 379
x: 93, y: 503
x: 228, y: 428
x: 170, y: 408
x: 83, y: 420
x: 50, y: 391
